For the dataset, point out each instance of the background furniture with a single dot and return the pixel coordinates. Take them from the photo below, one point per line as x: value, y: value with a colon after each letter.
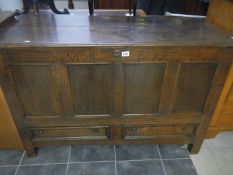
x: 117, y: 80
x: 70, y: 4
x: 9, y: 137
x: 193, y: 7
x: 109, y: 4
x: 132, y: 5
x: 112, y: 4
x: 221, y: 14
x: 102, y: 12
x: 27, y: 4
x: 158, y: 7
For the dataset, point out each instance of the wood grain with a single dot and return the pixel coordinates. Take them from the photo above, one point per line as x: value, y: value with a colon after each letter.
x: 191, y: 93
x: 9, y: 137
x: 90, y: 88
x: 221, y: 14
x: 142, y: 88
x: 35, y: 83
x: 36, y: 31
x: 66, y: 88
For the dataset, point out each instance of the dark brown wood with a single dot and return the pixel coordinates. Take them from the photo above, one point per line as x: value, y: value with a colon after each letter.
x: 61, y: 88
x: 185, y: 32
x: 117, y: 89
x: 191, y: 93
x: 142, y: 87
x: 81, y: 132
x: 90, y: 88
x: 209, y: 107
x: 169, y: 86
x: 164, y: 139
x: 155, y: 131
x: 135, y: 82
x: 103, y: 120
x: 35, y: 83
x: 116, y: 4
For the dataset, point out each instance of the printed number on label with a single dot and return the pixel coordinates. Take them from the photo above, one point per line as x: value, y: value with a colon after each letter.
x: 125, y: 54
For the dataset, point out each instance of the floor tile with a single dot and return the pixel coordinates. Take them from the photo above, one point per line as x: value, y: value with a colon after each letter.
x: 136, y: 152
x: 224, y: 139
x: 204, y: 163
x: 179, y: 167
x: 84, y: 153
x: 48, y: 155
x: 8, y: 170
x: 204, y: 146
x: 96, y: 168
x: 42, y: 170
x: 173, y: 151
x: 9, y: 157
x: 224, y: 159
x: 151, y: 167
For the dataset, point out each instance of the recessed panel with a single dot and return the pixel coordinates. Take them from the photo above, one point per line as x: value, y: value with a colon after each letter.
x: 90, y: 88
x: 193, y: 86
x: 142, y: 87
x: 35, y: 89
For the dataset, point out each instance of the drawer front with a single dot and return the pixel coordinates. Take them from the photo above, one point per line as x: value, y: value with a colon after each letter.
x: 134, y: 132
x: 80, y: 132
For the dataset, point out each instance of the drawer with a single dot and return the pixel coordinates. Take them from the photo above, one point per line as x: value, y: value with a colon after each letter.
x: 75, y: 132
x: 132, y: 132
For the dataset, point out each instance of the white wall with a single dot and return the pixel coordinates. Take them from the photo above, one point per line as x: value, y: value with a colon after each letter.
x: 78, y: 4
x: 11, y: 4
x: 61, y: 4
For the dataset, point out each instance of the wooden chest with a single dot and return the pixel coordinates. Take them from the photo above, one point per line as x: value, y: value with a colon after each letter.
x: 112, y: 80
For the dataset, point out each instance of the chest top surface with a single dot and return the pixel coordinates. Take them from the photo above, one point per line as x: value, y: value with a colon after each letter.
x: 81, y: 30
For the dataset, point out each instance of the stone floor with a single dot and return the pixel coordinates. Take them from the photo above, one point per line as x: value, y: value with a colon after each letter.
x: 215, y: 156
x: 100, y: 160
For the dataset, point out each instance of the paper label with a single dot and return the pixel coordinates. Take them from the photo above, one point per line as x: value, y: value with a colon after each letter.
x: 125, y: 54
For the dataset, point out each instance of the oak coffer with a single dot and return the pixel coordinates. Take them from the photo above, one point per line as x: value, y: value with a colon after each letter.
x: 77, y: 79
